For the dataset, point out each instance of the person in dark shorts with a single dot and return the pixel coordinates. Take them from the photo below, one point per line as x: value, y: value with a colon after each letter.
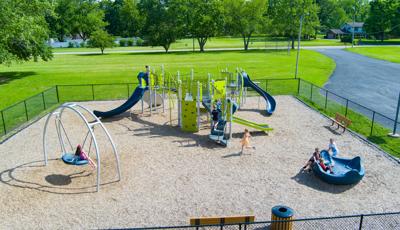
x: 314, y: 158
x: 215, y: 116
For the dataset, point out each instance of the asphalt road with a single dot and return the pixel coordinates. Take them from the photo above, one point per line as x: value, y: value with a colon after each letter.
x: 370, y: 82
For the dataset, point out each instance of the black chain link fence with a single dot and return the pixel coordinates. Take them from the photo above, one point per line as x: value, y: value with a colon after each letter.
x: 378, y: 221
x: 367, y: 122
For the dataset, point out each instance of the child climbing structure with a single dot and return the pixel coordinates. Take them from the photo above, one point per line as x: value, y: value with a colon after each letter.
x: 225, y: 95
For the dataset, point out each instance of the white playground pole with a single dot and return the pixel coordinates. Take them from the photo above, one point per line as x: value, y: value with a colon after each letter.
x: 179, y: 101
x: 163, y: 88
x: 198, y: 105
x: 150, y: 92
x: 155, y: 91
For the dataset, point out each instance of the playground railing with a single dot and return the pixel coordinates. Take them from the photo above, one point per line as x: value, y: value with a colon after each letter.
x: 369, y: 123
x: 378, y: 221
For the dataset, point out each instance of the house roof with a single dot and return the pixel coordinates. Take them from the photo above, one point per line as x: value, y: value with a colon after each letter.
x: 355, y: 24
x: 337, y: 31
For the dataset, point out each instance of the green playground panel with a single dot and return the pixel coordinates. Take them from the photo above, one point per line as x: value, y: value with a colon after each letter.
x: 219, y: 90
x: 189, y: 116
x: 262, y: 127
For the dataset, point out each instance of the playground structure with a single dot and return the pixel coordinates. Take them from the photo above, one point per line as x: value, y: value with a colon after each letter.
x: 345, y: 171
x: 90, y: 121
x: 228, y: 91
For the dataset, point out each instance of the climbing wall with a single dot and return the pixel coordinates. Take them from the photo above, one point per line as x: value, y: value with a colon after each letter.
x: 189, y: 116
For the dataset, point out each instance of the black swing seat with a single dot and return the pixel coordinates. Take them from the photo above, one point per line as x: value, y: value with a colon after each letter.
x: 73, y: 159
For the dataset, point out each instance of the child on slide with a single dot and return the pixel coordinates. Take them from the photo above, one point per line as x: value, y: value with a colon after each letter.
x: 325, y: 167
x: 245, y: 142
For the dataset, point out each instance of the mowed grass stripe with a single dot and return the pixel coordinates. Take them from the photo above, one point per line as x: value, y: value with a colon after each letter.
x: 20, y: 81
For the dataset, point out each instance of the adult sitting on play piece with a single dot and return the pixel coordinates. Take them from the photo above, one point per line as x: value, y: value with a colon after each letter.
x: 314, y: 158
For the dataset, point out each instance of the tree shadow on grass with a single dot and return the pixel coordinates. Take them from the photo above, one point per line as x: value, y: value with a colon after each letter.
x: 309, y: 179
x: 6, y: 77
x: 377, y: 140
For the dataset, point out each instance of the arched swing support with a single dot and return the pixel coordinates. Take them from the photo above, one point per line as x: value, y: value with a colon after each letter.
x: 78, y: 109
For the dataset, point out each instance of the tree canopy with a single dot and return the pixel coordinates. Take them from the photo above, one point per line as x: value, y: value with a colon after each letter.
x: 24, y: 30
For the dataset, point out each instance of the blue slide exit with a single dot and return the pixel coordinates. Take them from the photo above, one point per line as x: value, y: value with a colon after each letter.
x: 271, y: 103
x: 132, y: 100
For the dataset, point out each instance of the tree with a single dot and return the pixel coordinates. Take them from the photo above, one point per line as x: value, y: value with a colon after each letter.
x: 244, y: 17
x: 286, y: 15
x: 112, y: 9
x: 331, y: 14
x: 161, y: 25
x: 24, y: 30
x: 203, y: 19
x: 101, y: 39
x: 88, y: 17
x: 60, y: 23
x: 131, y: 22
x: 378, y: 22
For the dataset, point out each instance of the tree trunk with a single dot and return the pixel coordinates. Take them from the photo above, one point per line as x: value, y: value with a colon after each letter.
x: 246, y: 41
x: 292, y: 39
x: 202, y: 42
x: 166, y: 47
x: 102, y: 50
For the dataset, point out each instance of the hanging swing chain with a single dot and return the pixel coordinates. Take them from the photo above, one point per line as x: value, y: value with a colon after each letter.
x: 90, y: 143
x: 65, y: 133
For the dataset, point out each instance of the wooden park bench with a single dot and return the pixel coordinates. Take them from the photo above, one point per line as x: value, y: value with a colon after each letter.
x: 341, y: 121
x: 218, y: 220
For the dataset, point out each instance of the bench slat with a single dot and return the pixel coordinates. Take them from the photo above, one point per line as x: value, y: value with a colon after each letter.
x: 221, y: 220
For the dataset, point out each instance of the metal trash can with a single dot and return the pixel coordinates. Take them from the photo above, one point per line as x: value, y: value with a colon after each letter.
x: 281, y: 212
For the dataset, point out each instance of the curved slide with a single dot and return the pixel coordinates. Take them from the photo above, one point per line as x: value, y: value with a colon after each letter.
x: 271, y: 103
x: 132, y: 100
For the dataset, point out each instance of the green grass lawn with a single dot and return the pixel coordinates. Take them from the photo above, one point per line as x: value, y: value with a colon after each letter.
x: 217, y: 42
x: 21, y: 81
x: 384, y: 53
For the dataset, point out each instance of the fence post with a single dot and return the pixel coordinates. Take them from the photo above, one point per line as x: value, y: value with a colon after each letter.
x: 58, y: 96
x: 298, y: 87
x: 26, y: 111
x: 311, y: 92
x: 361, y: 221
x: 44, y: 102
x: 393, y: 134
x: 127, y: 87
x: 326, y: 99
x: 347, y: 105
x: 372, y: 124
x: 4, y: 123
x: 92, y: 92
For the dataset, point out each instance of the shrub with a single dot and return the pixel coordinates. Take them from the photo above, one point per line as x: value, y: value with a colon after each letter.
x: 346, y: 39
x: 122, y: 42
x: 70, y: 45
x: 83, y: 44
x: 139, y: 42
x: 130, y: 42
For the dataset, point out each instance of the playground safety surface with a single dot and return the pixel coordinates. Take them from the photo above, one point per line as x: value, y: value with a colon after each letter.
x: 169, y: 176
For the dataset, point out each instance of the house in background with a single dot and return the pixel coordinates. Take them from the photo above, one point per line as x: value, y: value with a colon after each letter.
x: 347, y: 28
x: 358, y: 28
x: 334, y: 34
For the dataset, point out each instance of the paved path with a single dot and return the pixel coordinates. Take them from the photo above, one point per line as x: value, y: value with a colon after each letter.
x: 370, y: 82
x: 206, y: 49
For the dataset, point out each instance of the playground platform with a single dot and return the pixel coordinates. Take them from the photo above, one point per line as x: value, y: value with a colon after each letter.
x: 169, y: 176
